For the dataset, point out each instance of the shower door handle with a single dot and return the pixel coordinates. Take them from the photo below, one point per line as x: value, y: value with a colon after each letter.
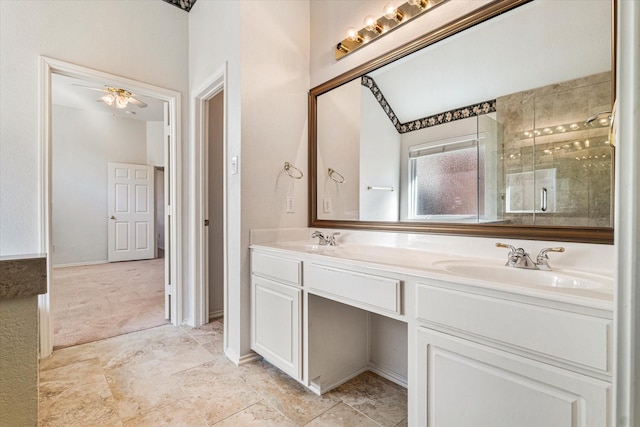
x: 543, y: 199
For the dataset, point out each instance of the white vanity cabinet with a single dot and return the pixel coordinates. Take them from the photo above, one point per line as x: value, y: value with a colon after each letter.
x: 276, y: 311
x: 323, y: 323
x: 488, y: 361
x: 471, y: 354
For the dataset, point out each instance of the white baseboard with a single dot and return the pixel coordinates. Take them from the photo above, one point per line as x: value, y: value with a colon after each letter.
x: 248, y: 358
x: 232, y: 356
x: 392, y: 376
x: 80, y: 264
x: 387, y: 373
x: 322, y: 389
x: 216, y: 314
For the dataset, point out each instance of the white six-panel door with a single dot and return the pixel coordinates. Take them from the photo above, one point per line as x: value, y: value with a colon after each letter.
x: 131, y: 212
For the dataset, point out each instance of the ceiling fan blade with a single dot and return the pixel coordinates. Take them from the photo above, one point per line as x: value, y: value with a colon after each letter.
x: 137, y: 102
x: 91, y: 88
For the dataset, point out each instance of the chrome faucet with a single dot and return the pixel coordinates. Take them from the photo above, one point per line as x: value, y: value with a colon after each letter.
x: 325, y: 240
x: 519, y: 258
x: 542, y: 261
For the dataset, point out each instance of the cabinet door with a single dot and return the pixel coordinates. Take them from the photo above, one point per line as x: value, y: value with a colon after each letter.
x: 465, y: 384
x: 276, y: 324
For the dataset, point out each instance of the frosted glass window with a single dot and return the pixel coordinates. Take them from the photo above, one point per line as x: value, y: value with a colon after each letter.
x: 448, y: 184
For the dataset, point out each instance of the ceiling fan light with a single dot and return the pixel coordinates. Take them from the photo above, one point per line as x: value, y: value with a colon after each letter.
x: 121, y: 101
x: 108, y: 99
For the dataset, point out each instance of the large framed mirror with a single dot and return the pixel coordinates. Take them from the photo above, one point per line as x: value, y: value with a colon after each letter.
x: 496, y: 124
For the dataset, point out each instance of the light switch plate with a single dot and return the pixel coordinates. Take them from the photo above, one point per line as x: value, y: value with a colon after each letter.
x: 291, y: 204
x: 326, y: 205
x: 234, y: 165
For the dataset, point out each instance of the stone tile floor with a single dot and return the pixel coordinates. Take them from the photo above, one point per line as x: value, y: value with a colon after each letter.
x: 180, y: 377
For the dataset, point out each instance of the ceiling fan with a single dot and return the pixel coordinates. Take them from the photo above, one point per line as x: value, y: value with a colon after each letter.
x: 116, y: 97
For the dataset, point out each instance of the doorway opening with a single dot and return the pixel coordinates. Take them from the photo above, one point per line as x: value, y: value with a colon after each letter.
x: 214, y: 195
x: 84, y: 242
x: 210, y: 232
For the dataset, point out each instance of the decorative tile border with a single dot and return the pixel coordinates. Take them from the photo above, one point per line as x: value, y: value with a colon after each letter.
x: 429, y: 121
x: 375, y: 90
x: 185, y: 5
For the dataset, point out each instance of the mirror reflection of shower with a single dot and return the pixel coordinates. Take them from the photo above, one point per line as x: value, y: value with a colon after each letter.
x: 603, y: 118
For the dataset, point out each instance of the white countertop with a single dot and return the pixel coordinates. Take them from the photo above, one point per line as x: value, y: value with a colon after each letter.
x: 447, y: 268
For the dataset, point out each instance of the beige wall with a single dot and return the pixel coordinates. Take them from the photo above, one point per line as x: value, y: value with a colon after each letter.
x: 207, y: 57
x: 338, y: 141
x: 83, y: 142
x: 330, y: 20
x: 19, y: 361
x: 266, y: 125
x: 141, y: 40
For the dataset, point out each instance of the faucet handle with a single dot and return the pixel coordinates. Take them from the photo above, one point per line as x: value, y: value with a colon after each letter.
x: 321, y: 237
x: 543, y: 260
x: 504, y: 245
x: 513, y: 251
x: 331, y: 238
x: 543, y: 252
x: 516, y: 257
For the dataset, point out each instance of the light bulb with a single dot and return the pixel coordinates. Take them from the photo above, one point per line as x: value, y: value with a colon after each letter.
x: 108, y: 99
x: 392, y: 12
x: 121, y: 101
x: 389, y: 11
x: 353, y: 35
x: 370, y: 22
x: 422, y: 4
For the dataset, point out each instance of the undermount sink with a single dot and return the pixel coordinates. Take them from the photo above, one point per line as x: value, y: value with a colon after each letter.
x: 369, y: 253
x: 306, y: 247
x: 521, y: 276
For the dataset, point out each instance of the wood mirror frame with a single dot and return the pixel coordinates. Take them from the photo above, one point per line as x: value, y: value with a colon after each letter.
x: 600, y: 235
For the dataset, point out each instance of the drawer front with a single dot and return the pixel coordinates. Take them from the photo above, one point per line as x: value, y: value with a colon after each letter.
x: 574, y: 338
x: 275, y: 267
x: 363, y: 290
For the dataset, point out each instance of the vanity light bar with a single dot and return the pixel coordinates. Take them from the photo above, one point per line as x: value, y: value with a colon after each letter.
x: 393, y: 16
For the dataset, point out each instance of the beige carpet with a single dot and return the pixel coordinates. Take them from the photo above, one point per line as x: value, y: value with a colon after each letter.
x: 94, y: 302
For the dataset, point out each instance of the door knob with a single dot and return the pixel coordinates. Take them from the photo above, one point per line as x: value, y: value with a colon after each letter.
x: 112, y: 217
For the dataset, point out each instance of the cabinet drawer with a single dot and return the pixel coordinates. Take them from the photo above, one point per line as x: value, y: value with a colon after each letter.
x: 362, y: 290
x: 574, y: 338
x: 275, y: 267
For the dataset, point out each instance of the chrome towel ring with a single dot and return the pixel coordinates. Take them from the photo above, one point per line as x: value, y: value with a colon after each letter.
x: 292, y: 171
x: 333, y: 174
